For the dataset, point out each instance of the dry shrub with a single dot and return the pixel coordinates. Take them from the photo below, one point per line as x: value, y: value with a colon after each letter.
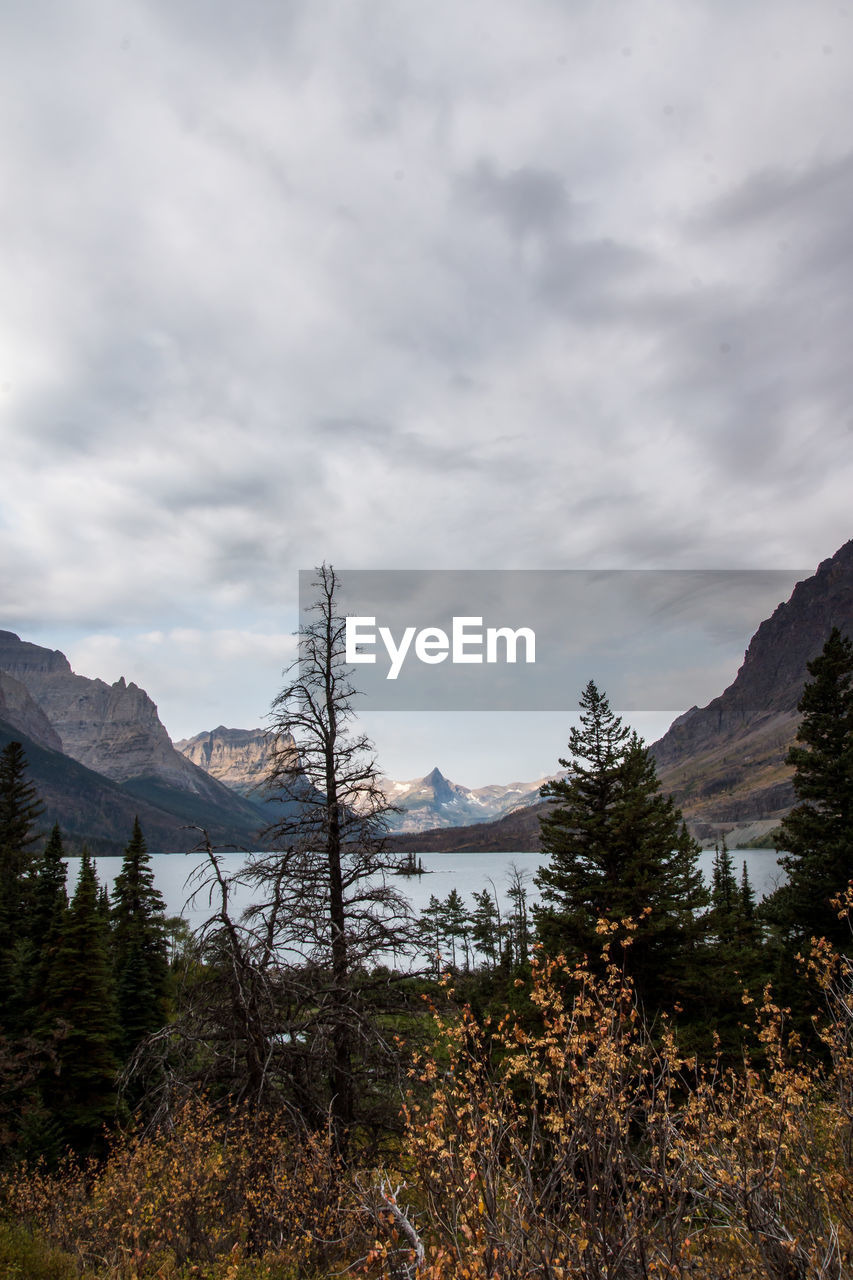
x: 591, y: 1151
x: 209, y: 1189
x: 583, y: 1149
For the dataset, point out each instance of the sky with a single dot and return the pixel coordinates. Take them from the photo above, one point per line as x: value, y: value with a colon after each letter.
x: 406, y: 286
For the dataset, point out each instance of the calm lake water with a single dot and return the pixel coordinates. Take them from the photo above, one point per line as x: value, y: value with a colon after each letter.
x: 466, y: 872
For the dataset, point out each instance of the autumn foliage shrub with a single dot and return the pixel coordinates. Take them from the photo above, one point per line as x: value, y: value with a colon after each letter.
x: 211, y: 1188
x: 571, y: 1144
x: 591, y: 1149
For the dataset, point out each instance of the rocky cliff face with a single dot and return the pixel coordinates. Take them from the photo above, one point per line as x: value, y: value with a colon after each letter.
x: 113, y: 729
x: 19, y: 711
x: 237, y: 757
x: 725, y: 762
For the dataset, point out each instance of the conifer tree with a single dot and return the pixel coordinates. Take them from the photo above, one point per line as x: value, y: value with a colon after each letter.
x: 49, y: 896
x: 430, y: 931
x: 454, y: 926
x: 139, y: 945
x: 747, y: 902
x: 735, y: 960
x: 20, y: 810
x: 519, y: 922
x: 82, y: 1093
x: 724, y: 917
x: 486, y: 927
x: 49, y: 902
x: 818, y: 832
x: 619, y: 850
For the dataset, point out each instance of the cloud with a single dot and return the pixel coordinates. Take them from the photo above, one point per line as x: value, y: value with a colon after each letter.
x: 414, y: 287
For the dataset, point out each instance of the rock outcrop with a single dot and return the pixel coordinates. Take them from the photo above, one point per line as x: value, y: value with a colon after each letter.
x: 21, y: 712
x: 115, y: 731
x: 239, y: 758
x: 725, y: 763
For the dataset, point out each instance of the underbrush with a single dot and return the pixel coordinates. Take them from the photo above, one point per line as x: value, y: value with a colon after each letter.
x: 582, y: 1149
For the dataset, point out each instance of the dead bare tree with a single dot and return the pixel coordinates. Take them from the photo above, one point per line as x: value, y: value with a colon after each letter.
x: 326, y: 904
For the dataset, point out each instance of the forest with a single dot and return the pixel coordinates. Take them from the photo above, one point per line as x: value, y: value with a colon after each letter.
x: 641, y: 1075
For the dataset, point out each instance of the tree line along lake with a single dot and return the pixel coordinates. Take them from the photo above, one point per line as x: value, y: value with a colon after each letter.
x: 468, y: 873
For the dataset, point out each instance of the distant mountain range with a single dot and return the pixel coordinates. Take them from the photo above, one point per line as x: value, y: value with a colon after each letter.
x: 239, y: 758
x: 432, y: 802
x: 99, y: 754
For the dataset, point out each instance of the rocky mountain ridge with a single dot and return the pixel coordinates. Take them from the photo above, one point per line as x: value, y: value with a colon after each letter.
x: 434, y: 802
x: 725, y: 763
x: 115, y: 733
x: 238, y: 758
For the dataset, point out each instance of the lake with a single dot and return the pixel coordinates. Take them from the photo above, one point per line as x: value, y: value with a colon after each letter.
x: 466, y: 872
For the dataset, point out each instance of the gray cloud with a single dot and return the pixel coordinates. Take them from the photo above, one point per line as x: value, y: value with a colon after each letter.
x: 527, y: 200
x: 407, y: 287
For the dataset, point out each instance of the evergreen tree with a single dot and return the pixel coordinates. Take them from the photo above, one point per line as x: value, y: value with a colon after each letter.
x: 519, y: 922
x: 20, y: 810
x: 430, y: 931
x: 49, y: 896
x: 724, y: 917
x: 48, y: 904
x: 455, y: 926
x: 818, y: 832
x: 486, y: 927
x: 82, y: 1092
x: 735, y: 959
x: 619, y: 850
x: 139, y: 945
x: 747, y: 904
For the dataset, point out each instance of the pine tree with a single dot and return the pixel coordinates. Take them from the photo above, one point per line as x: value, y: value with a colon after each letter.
x: 735, y: 962
x: 818, y: 832
x: 49, y: 896
x: 49, y: 902
x: 82, y: 1094
x: 619, y: 850
x: 519, y: 922
x: 724, y: 917
x: 430, y: 932
x: 747, y: 902
x: 139, y: 945
x: 20, y: 810
x: 486, y: 927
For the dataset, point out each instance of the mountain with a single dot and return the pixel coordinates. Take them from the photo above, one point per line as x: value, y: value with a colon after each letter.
x: 115, y: 733
x: 90, y: 809
x: 432, y: 802
x: 725, y: 763
x: 18, y: 709
x: 238, y: 758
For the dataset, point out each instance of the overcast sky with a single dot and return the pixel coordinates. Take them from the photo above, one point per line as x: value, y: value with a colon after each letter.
x: 559, y: 284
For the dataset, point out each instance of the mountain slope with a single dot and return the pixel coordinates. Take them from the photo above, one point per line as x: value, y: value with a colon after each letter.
x: 725, y: 763
x: 91, y: 809
x: 115, y: 732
